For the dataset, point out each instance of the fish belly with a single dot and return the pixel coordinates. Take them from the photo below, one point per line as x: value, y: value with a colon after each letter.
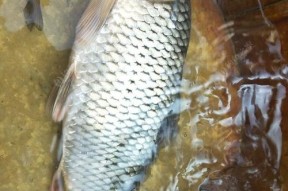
x: 126, y: 82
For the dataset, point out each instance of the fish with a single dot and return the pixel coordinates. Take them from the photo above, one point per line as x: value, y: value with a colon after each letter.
x: 33, y: 15
x: 119, y: 95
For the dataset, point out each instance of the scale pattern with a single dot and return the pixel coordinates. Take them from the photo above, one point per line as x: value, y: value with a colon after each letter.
x: 127, y: 81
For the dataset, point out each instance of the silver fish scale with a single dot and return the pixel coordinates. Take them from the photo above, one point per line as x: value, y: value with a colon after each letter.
x: 127, y: 81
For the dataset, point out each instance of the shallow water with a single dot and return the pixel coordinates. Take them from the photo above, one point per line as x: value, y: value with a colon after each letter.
x: 30, y: 62
x: 234, y: 102
x: 234, y: 134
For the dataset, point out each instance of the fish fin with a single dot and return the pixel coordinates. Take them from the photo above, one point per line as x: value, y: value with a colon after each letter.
x: 168, y: 130
x: 169, y: 126
x: 92, y: 20
x: 57, y: 181
x: 33, y: 15
x: 58, y: 98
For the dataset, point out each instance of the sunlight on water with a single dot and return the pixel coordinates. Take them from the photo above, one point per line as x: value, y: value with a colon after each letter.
x: 232, y: 130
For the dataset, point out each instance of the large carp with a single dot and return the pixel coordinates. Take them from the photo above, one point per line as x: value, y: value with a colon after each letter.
x: 120, y: 89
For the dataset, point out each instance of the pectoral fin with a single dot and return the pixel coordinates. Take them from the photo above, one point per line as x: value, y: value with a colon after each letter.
x: 92, y: 20
x: 33, y: 14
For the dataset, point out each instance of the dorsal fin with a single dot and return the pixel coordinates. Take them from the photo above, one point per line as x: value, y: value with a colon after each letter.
x: 92, y: 20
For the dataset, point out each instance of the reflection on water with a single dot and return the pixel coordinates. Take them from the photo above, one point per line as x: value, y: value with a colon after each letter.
x: 231, y: 133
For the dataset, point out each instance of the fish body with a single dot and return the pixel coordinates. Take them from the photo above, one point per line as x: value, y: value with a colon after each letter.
x: 122, y: 83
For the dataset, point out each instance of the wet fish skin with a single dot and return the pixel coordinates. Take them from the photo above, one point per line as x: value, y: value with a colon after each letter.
x: 121, y: 85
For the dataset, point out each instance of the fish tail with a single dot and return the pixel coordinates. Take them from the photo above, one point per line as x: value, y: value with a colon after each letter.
x: 33, y: 14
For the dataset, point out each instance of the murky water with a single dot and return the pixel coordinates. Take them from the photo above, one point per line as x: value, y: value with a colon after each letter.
x: 233, y: 133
